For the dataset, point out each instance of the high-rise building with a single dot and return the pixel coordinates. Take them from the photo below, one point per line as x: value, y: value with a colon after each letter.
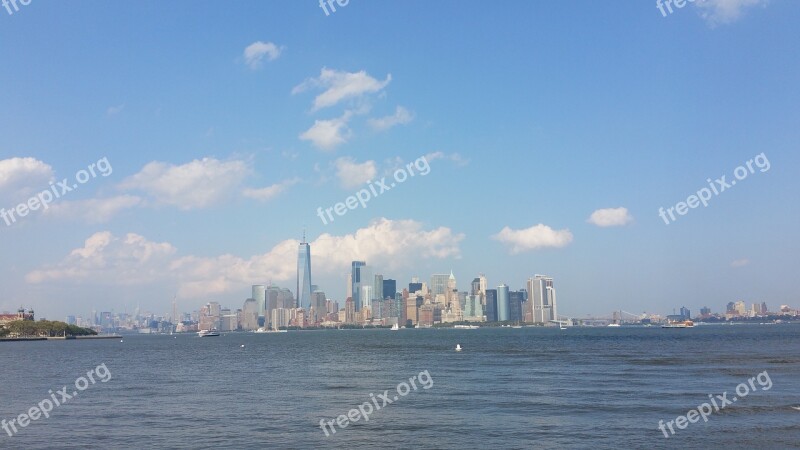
x: 413, y: 287
x: 686, y: 313
x: 377, y: 288
x: 476, y: 287
x: 541, y: 304
x: 491, y: 305
x: 389, y: 288
x: 357, y: 272
x: 304, y: 275
x: 366, y: 297
x: 260, y: 297
x: 319, y: 306
x: 250, y: 315
x: 515, y: 300
x: 438, y: 284
x: 503, y: 303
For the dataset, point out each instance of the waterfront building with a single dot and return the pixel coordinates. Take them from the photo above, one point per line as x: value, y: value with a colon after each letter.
x: 503, y: 303
x: 304, y: 274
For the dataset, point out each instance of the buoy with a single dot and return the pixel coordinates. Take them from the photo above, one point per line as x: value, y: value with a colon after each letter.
x: 120, y: 340
x: 242, y: 345
x: 458, y: 347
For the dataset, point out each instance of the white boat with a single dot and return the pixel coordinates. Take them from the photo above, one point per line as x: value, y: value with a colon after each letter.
x: 395, y: 327
x: 269, y: 330
x: 458, y: 347
x: 613, y: 325
x: 208, y: 333
x: 466, y: 327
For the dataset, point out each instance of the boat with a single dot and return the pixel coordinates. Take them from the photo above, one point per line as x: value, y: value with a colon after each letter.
x: 208, y: 333
x: 458, y: 347
x: 269, y: 330
x: 395, y: 327
x: 466, y: 327
x: 613, y: 325
x: 679, y: 324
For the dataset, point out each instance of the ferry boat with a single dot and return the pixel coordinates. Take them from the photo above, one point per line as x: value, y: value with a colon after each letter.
x: 466, y: 327
x: 684, y: 324
x: 208, y: 333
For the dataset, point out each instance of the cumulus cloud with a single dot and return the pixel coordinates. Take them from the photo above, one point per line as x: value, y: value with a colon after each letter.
x: 401, y: 116
x: 611, y: 217
x: 255, y: 53
x: 535, y: 237
x: 22, y: 176
x: 270, y: 192
x: 352, y: 174
x: 196, y: 184
x: 717, y: 12
x: 96, y: 210
x: 340, y: 85
x: 328, y: 134
x: 108, y: 260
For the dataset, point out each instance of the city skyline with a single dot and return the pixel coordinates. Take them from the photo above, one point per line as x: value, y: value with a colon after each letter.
x: 513, y: 154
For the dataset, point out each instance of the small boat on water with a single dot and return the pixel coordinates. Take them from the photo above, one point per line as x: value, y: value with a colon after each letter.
x: 458, y: 347
x: 678, y: 324
x: 466, y: 327
x: 208, y: 333
x: 395, y: 327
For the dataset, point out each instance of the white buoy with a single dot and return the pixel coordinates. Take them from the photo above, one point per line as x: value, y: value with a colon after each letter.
x: 242, y: 345
x: 120, y: 340
x: 458, y: 347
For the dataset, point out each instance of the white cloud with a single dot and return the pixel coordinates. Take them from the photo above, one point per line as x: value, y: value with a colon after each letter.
x: 740, y: 263
x: 255, y: 53
x: 328, y: 134
x: 19, y: 177
x: 352, y: 174
x: 401, y: 116
x: 455, y: 158
x: 269, y: 192
x: 341, y: 85
x: 114, y: 110
x: 535, y: 237
x: 108, y: 260
x: 196, y: 184
x: 611, y: 217
x: 717, y: 12
x: 97, y: 210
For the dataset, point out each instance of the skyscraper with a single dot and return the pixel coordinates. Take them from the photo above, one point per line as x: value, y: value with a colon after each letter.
x: 541, y: 304
x: 503, y: 303
x: 377, y: 288
x: 357, y: 269
x: 439, y: 283
x: 389, y: 288
x: 304, y: 275
x: 260, y: 296
x: 491, y: 305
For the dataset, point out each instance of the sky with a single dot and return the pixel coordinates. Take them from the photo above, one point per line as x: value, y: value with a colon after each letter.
x: 199, y: 140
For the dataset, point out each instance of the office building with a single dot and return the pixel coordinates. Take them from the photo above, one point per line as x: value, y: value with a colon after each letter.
x: 503, y: 303
x: 304, y: 275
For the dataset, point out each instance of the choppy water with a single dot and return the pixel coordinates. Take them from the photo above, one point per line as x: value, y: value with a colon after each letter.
x: 509, y: 388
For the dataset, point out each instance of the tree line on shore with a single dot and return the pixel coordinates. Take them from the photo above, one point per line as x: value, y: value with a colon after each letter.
x: 42, y: 328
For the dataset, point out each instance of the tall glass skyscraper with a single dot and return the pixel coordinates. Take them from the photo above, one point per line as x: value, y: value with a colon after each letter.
x: 356, y: 278
x: 503, y: 303
x: 304, y: 275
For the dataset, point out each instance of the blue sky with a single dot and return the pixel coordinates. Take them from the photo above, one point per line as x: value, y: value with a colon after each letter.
x: 228, y: 125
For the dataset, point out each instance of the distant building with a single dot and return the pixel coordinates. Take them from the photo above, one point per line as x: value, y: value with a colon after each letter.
x: 304, y: 274
x: 515, y: 301
x: 389, y: 288
x: 503, y: 303
x: 358, y: 272
x: 686, y: 313
x: 250, y: 315
x: 260, y: 297
x: 491, y: 305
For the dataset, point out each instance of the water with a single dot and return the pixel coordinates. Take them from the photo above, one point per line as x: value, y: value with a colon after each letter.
x: 509, y: 388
